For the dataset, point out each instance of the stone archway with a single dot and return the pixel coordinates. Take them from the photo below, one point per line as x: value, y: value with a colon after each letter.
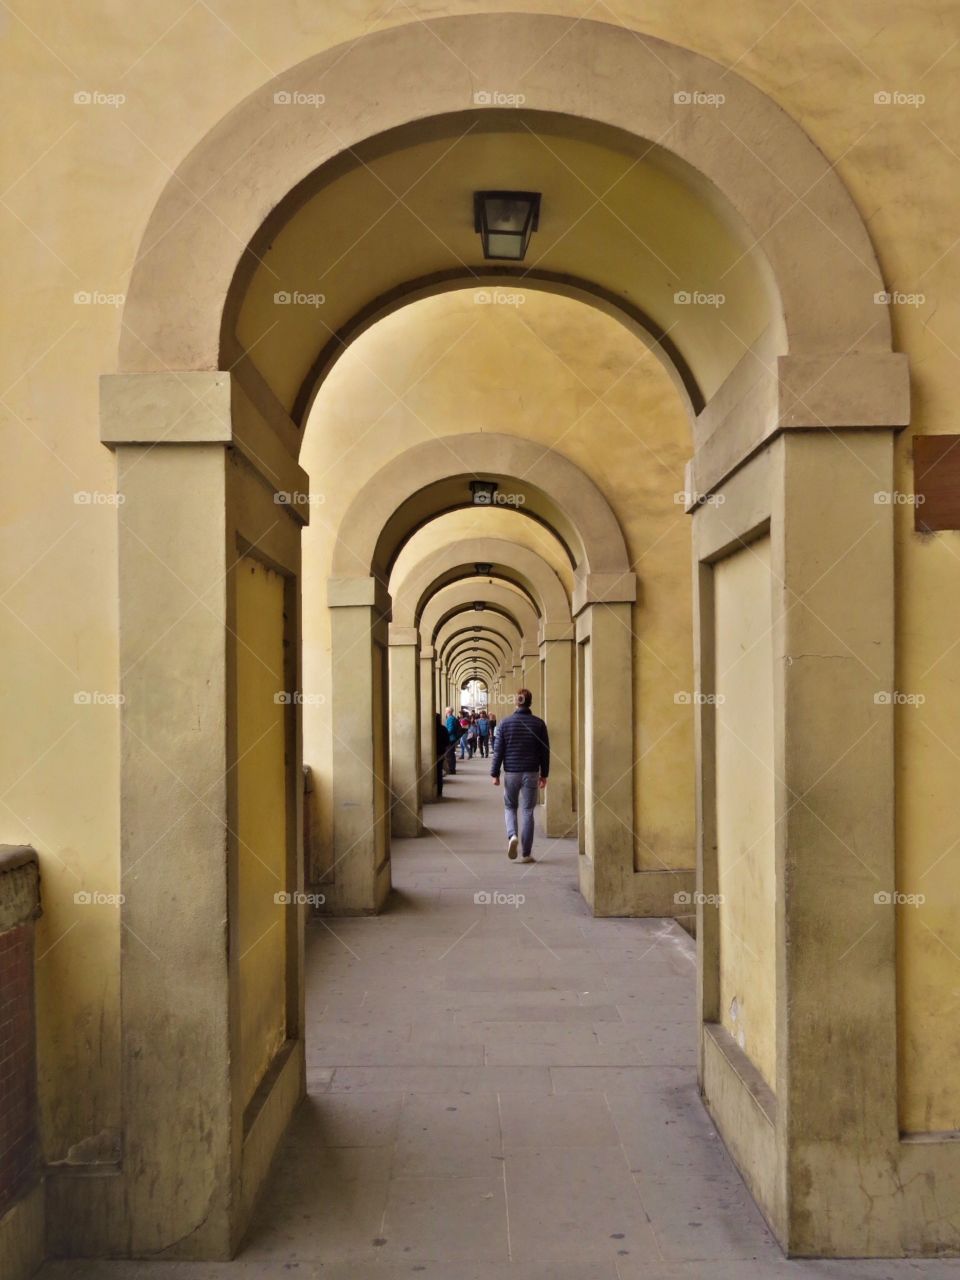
x: 500, y: 633
x: 413, y: 670
x: 423, y: 481
x: 795, y: 442
x: 245, y: 175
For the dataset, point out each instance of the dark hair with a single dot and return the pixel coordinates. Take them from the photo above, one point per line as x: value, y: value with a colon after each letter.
x: 524, y: 698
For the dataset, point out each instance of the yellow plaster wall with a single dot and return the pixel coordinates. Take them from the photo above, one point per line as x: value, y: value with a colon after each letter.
x: 261, y: 819
x: 79, y: 183
x: 745, y: 802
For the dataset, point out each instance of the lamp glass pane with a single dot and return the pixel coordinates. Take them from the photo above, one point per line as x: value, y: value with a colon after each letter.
x: 504, y: 245
x: 507, y: 215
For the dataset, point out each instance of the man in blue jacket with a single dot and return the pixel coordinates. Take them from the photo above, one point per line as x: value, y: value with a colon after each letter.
x: 452, y: 724
x: 522, y: 750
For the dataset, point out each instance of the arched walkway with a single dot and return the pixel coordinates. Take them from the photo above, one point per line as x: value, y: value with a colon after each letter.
x: 417, y: 485
x: 794, y: 438
x: 549, y: 669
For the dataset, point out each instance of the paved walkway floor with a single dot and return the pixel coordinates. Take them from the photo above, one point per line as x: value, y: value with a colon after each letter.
x: 501, y: 1089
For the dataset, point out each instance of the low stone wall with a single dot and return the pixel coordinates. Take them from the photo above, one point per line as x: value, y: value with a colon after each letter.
x: 21, y: 1202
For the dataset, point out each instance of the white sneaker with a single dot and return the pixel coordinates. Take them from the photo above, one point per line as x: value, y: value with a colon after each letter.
x: 527, y: 859
x: 512, y: 847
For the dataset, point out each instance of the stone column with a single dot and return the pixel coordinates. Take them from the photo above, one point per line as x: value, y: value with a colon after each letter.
x: 361, y: 793
x: 405, y: 730
x: 508, y: 690
x: 442, y: 686
x: 203, y: 478
x: 832, y: 1177
x: 22, y: 1226
x: 428, y: 735
x: 530, y: 668
x: 557, y: 709
x: 604, y: 636
x: 833, y: 551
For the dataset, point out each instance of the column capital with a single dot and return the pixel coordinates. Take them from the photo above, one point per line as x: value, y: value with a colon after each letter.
x: 204, y: 407
x: 403, y: 635
x: 851, y: 390
x: 554, y: 632
x: 604, y: 588
x: 346, y: 593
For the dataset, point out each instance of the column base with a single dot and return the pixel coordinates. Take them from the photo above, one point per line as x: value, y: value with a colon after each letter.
x: 345, y: 900
x: 665, y: 894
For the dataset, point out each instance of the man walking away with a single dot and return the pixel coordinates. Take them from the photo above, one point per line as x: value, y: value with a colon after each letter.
x: 483, y: 734
x: 441, y: 742
x: 522, y: 750
x: 452, y: 725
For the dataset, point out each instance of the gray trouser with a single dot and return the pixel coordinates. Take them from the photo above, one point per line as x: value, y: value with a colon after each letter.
x: 520, y: 788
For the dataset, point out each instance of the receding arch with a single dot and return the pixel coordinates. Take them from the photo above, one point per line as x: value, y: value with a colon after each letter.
x: 492, y: 634
x: 507, y: 560
x: 463, y: 665
x: 634, y: 318
x: 502, y: 631
x: 483, y: 642
x: 458, y: 598
x: 435, y: 476
x: 490, y: 661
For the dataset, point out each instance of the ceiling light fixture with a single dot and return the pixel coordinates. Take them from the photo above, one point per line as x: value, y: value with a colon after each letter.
x: 505, y: 221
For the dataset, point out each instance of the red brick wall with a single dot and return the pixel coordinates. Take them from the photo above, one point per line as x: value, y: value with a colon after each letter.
x: 18, y: 1073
